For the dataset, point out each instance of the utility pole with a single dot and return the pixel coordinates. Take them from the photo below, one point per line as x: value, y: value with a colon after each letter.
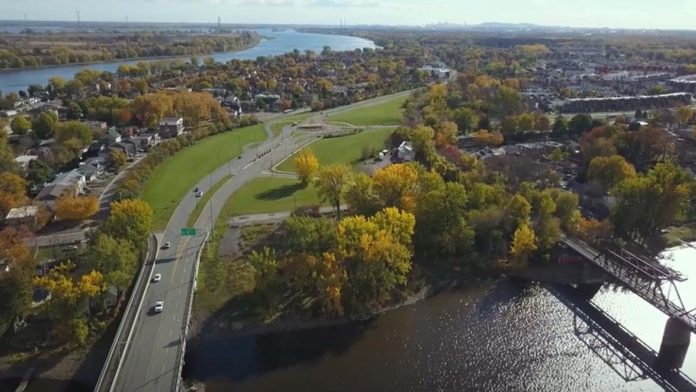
x: 78, y: 16
x: 212, y: 222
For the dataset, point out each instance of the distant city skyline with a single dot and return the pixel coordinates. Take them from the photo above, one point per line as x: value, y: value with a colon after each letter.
x: 667, y: 14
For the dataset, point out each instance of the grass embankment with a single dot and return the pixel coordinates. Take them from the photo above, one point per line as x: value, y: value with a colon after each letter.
x: 270, y: 194
x: 385, y: 113
x: 678, y: 235
x: 277, y: 126
x: 179, y: 174
x: 344, y: 149
x: 204, y: 200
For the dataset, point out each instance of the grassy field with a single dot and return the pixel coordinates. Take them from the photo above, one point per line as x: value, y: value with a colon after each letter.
x: 204, y: 200
x: 277, y: 127
x: 386, y: 113
x: 270, y: 194
x: 179, y: 174
x: 344, y: 149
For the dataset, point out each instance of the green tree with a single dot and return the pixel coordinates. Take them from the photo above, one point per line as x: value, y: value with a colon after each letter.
x: 20, y: 125
x: 580, y: 124
x: 361, y: 197
x: 560, y: 125
x: 115, y: 258
x: 609, y: 171
x: 118, y: 159
x: 309, y: 235
x: 44, y: 125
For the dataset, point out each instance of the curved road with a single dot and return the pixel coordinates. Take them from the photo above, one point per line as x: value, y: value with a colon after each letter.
x: 152, y: 359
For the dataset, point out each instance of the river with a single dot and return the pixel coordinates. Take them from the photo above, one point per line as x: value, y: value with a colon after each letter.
x: 279, y: 42
x: 493, y: 336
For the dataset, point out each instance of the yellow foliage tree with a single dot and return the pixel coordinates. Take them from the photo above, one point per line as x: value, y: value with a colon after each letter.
x: 523, y: 244
x: 332, y: 183
x: 306, y: 165
x: 131, y: 220
x: 76, y: 208
x: 13, y: 192
x: 396, y: 186
x: 490, y: 139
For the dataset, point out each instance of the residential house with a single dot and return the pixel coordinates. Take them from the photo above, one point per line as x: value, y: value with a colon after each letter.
x: 170, y: 127
x: 72, y: 182
x: 405, y: 152
x: 92, y: 168
x: 23, y: 216
x: 145, y: 141
x: 23, y: 161
x: 128, y: 146
x: 112, y: 136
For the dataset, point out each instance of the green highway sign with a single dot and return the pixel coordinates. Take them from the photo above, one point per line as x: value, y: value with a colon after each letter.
x: 188, y: 231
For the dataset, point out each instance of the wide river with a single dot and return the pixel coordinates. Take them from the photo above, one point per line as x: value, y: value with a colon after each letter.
x: 281, y: 42
x: 493, y: 336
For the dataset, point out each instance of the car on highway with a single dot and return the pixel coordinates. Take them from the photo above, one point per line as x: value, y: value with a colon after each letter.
x: 167, y: 245
x: 159, y: 307
x: 199, y: 194
x: 157, y: 278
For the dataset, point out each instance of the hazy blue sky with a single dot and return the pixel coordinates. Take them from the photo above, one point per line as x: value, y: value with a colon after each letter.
x: 678, y: 14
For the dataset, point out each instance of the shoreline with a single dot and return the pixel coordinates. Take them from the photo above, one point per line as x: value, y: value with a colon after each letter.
x: 129, y: 59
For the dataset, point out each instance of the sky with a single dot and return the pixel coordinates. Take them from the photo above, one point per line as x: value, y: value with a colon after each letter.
x: 663, y: 14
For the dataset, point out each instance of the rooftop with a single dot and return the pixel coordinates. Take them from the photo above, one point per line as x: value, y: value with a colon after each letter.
x: 22, y: 212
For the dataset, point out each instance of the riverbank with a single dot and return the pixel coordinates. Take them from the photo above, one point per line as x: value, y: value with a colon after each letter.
x: 257, y: 39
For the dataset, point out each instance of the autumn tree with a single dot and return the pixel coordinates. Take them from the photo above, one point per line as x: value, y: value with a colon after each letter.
x: 331, y: 184
x: 488, y: 139
x: 309, y: 235
x: 684, y: 114
x: 20, y: 125
x: 118, y: 158
x: 306, y: 165
x: 523, y: 244
x: 360, y: 195
x: 396, y: 186
x: 130, y: 220
x: 609, y: 171
x: 15, y: 283
x: 13, y: 192
x: 76, y: 208
x: 149, y: 109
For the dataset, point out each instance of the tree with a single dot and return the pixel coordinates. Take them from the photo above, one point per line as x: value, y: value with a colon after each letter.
x: 396, y: 186
x: 115, y: 258
x: 118, y: 159
x: 560, y: 125
x: 519, y: 210
x: 422, y: 139
x: 76, y: 208
x: 580, y: 124
x: 361, y: 197
x: 557, y: 155
x: 446, y: 134
x: 684, y: 114
x: 609, y: 171
x: 523, y: 244
x: 131, y: 220
x: 488, y: 139
x: 13, y: 192
x: 20, y: 125
x: 74, y: 130
x: 308, y: 235
x: 466, y: 119
x: 45, y: 124
x: 306, y: 165
x: 331, y: 183
x: 16, y: 283
x: 266, y: 266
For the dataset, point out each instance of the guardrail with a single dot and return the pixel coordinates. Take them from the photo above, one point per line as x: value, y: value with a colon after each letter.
x: 182, y: 351
x: 119, y: 347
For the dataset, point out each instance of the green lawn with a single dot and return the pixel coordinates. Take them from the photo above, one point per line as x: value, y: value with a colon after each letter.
x: 270, y: 194
x: 386, y: 113
x: 179, y: 174
x: 344, y: 149
x: 277, y: 127
x: 204, y: 200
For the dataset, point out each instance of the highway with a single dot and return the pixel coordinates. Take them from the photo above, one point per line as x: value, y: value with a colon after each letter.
x: 153, y: 356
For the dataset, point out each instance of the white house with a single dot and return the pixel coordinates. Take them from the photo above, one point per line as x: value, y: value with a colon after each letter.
x: 406, y: 152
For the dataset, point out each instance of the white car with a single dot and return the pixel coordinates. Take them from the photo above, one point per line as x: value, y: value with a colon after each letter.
x: 157, y: 278
x: 159, y: 306
x: 167, y: 245
x: 199, y: 194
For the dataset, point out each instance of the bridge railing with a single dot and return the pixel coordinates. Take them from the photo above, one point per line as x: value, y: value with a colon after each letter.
x: 189, y: 308
x: 117, y: 352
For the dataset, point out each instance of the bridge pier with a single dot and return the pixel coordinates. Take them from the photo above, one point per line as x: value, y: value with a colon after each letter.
x: 588, y: 290
x: 675, y: 344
